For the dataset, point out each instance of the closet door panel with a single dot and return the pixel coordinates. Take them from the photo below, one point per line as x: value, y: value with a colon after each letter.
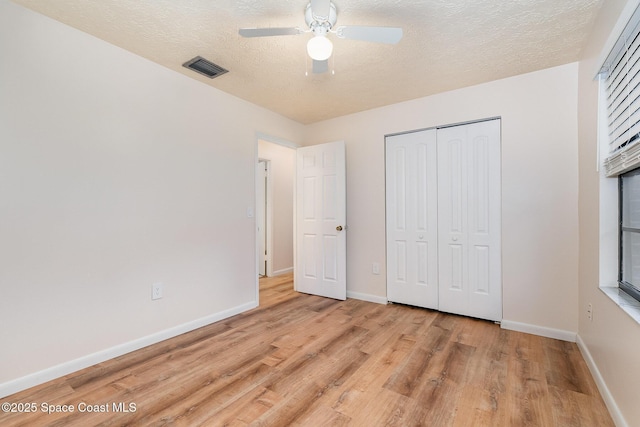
x: 411, y: 182
x: 452, y: 219
x: 485, y: 206
x: 469, y: 205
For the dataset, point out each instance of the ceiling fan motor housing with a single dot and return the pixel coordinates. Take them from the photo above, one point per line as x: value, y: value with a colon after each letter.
x: 320, y: 25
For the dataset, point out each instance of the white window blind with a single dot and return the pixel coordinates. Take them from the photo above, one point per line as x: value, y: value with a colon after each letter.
x: 620, y: 75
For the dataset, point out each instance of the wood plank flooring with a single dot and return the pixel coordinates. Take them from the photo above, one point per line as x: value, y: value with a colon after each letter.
x: 302, y: 360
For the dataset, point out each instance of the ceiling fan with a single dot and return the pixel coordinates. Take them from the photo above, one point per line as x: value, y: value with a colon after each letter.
x: 321, y: 16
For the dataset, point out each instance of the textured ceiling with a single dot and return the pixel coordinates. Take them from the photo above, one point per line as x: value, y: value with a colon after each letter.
x: 447, y: 44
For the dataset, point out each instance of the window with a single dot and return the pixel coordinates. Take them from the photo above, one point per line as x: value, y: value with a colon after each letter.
x: 629, y: 271
x: 620, y: 112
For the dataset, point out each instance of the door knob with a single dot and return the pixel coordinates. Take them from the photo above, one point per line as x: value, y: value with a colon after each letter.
x: 455, y: 239
x: 339, y: 228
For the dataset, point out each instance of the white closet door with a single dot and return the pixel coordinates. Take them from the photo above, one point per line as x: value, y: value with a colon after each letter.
x: 412, y: 251
x: 469, y: 205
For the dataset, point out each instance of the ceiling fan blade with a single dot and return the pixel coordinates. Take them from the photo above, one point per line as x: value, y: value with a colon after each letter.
x: 320, y: 67
x: 268, y: 32
x: 320, y: 8
x: 391, y: 35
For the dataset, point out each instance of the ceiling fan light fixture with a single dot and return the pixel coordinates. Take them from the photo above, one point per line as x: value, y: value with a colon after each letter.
x: 321, y: 17
x: 319, y: 48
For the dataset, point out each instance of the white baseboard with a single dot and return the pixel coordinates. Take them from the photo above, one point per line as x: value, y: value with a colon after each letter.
x: 542, y: 331
x: 66, y: 368
x: 281, y: 272
x: 367, y: 297
x: 614, y: 411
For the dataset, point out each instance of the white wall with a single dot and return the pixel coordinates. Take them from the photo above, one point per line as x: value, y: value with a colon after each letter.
x: 114, y: 175
x: 283, y: 161
x: 539, y: 165
x: 612, y: 340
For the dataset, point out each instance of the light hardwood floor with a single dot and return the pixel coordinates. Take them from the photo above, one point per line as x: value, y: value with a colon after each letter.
x: 309, y: 361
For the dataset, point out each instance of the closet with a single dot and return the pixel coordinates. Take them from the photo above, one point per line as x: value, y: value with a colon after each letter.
x: 443, y: 204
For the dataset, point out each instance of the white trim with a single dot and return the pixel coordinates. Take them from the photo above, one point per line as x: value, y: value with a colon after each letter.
x: 367, y: 297
x: 256, y: 159
x: 276, y: 140
x: 261, y: 214
x: 608, y: 231
x: 295, y: 226
x: 626, y: 303
x: 601, y: 125
x: 269, y: 214
x: 468, y: 122
x: 268, y: 217
x: 66, y: 368
x: 614, y: 411
x: 282, y: 271
x: 542, y: 331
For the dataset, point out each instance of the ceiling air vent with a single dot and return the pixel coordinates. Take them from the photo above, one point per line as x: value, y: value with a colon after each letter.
x: 204, y: 67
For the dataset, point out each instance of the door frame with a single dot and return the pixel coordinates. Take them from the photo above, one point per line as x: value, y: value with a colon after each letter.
x: 268, y: 217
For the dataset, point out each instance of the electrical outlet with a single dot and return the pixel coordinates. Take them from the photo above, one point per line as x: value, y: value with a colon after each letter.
x: 375, y: 268
x: 590, y: 311
x: 156, y: 291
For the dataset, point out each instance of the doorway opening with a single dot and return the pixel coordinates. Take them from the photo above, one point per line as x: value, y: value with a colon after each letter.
x: 275, y: 174
x: 317, y: 175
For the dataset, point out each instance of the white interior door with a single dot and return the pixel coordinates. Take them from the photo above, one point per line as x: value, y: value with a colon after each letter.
x: 469, y: 206
x: 261, y: 215
x: 320, y: 254
x: 412, y: 223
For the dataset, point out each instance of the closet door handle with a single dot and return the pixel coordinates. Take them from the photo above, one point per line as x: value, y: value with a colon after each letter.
x: 339, y: 228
